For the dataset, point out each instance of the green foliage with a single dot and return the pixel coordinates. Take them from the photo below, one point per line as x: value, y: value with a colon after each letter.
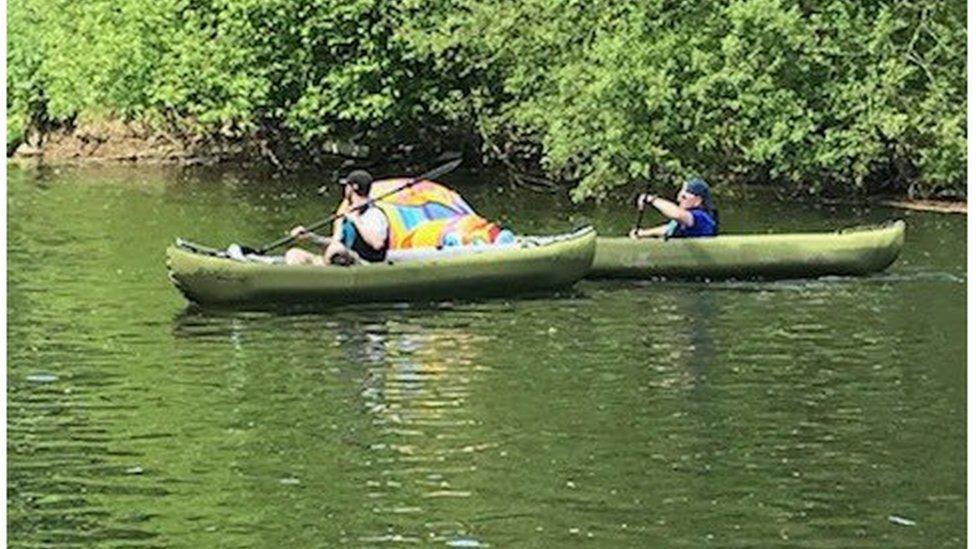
x: 819, y: 95
x: 828, y: 95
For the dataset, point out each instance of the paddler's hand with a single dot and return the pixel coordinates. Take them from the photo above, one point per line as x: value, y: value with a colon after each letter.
x: 643, y: 199
x: 300, y: 233
x: 635, y: 233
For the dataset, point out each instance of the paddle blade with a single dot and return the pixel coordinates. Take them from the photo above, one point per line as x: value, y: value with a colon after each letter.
x: 440, y: 170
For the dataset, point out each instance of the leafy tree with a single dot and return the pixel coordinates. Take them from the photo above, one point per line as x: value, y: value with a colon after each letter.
x: 813, y: 95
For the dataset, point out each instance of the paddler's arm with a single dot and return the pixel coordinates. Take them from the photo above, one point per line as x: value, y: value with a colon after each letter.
x: 301, y: 233
x: 652, y: 232
x: 668, y: 208
x: 319, y: 240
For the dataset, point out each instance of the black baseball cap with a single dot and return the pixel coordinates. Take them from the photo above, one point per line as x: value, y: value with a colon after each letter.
x: 361, y: 180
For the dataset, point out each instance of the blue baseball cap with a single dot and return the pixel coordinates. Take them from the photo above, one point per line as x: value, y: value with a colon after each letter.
x: 699, y: 188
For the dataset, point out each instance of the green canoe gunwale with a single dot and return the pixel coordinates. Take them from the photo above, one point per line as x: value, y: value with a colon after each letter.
x: 544, y: 264
x: 853, y: 251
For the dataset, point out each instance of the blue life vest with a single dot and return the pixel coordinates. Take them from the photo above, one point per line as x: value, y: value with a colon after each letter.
x: 704, y: 225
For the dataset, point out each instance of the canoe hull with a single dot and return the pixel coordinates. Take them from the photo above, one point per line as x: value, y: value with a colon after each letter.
x: 210, y: 280
x: 856, y: 251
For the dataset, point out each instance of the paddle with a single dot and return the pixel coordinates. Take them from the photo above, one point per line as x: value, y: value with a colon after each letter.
x: 640, y: 211
x: 432, y: 174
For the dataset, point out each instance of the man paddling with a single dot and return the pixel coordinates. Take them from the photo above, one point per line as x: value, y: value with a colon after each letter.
x: 361, y: 234
x: 693, y: 215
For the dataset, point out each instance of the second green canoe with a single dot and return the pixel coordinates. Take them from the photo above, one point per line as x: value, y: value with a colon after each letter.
x: 854, y: 251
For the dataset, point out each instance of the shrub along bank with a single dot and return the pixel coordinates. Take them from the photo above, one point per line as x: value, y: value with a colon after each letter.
x: 815, y: 96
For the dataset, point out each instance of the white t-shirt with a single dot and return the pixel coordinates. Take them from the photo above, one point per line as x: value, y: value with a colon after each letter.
x: 374, y: 220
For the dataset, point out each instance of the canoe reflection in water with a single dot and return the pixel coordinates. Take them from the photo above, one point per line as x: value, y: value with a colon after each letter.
x: 378, y: 399
x: 421, y: 442
x: 685, y: 353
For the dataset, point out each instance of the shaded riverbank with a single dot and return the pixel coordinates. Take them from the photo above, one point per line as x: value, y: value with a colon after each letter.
x: 134, y: 145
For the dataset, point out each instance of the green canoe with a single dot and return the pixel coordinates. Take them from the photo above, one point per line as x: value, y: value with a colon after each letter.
x: 532, y: 264
x: 853, y: 251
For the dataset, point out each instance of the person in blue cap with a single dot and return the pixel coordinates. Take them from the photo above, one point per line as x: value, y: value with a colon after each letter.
x: 693, y: 215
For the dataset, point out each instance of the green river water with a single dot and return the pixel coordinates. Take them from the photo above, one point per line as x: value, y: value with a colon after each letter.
x: 814, y: 413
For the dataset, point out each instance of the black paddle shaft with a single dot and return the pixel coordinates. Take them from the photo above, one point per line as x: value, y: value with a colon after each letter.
x: 640, y: 211
x: 436, y: 172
